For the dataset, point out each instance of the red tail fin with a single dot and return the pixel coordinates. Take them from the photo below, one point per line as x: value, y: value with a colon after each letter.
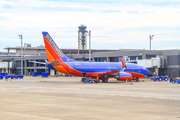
x: 123, y: 64
x: 52, y: 50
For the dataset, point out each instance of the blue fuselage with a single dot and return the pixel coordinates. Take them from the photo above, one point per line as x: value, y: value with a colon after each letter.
x: 94, y: 67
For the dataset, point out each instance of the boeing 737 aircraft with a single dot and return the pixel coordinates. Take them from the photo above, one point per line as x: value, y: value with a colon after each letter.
x: 101, y: 70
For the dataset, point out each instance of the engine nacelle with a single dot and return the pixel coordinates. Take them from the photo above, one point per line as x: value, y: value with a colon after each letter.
x: 124, y: 76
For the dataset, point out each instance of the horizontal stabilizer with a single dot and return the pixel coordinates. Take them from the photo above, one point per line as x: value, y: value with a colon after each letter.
x: 37, y: 62
x: 55, y: 63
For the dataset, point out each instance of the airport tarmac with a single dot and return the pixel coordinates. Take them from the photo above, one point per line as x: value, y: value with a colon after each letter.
x: 66, y: 98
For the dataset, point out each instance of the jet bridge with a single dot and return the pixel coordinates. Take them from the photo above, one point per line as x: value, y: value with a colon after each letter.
x: 152, y: 64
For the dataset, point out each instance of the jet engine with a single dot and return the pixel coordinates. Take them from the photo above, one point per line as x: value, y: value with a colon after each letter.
x: 124, y: 76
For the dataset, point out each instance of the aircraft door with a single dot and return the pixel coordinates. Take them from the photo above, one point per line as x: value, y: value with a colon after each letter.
x: 139, y: 69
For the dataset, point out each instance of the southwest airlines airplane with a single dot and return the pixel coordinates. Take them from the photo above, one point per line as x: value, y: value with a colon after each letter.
x: 99, y: 70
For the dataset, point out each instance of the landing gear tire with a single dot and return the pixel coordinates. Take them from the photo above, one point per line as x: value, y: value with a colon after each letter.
x: 83, y: 79
x: 166, y: 79
x: 160, y: 79
x: 137, y: 80
x: 103, y: 79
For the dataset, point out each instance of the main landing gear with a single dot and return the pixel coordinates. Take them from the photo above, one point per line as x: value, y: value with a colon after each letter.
x: 86, y: 79
x: 104, y: 79
x: 137, y: 80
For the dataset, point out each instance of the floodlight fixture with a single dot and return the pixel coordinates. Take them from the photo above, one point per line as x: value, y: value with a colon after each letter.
x: 150, y: 38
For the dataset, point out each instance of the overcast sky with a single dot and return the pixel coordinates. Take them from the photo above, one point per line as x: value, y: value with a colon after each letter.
x: 115, y: 24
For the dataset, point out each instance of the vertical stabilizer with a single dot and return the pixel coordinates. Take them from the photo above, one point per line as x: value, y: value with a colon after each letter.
x: 123, y: 64
x: 52, y: 50
x: 122, y: 61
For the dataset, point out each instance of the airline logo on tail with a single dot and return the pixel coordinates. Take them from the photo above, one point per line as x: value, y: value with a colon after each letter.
x: 55, y: 47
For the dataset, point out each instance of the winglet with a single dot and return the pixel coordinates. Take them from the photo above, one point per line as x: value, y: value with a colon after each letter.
x: 123, y: 64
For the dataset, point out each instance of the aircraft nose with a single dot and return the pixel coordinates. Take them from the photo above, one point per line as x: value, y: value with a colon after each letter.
x: 146, y: 72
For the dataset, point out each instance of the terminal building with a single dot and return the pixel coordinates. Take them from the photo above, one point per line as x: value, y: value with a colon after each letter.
x: 161, y: 62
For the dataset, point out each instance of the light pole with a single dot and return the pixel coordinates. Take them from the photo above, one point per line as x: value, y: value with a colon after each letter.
x: 20, y: 37
x: 89, y: 45
x: 150, y: 37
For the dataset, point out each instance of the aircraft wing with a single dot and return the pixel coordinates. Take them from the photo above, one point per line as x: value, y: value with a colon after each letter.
x: 116, y: 72
x: 111, y: 72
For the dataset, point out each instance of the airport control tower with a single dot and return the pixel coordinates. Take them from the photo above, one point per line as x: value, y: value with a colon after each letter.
x: 82, y: 37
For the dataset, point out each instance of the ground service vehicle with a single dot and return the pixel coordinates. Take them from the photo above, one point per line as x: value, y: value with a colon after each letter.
x: 160, y: 78
x: 1, y: 77
x: 174, y: 81
x: 14, y: 76
x: 44, y: 74
x: 87, y: 80
x: 34, y: 74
